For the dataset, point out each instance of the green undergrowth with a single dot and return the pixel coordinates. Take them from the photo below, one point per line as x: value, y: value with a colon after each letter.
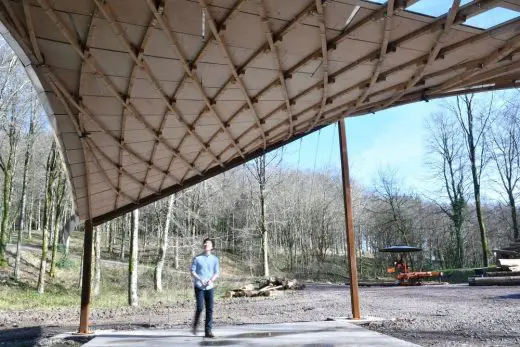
x: 461, y: 275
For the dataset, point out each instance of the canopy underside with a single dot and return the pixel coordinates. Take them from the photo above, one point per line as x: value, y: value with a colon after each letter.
x: 149, y: 97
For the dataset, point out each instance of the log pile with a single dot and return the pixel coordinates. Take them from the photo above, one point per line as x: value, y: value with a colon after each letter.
x: 510, y: 252
x: 507, y: 271
x: 266, y: 287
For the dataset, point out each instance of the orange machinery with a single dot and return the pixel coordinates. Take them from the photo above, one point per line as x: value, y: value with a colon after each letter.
x: 404, y: 276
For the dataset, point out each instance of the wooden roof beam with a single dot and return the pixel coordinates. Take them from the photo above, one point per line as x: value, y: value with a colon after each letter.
x: 167, y: 30
x: 138, y: 62
x: 450, y: 19
x: 232, y: 67
x: 277, y: 61
x: 324, y: 62
x: 80, y: 130
x: 511, y: 45
x: 85, y: 111
x: 382, y: 54
x: 141, y: 62
x: 278, y: 36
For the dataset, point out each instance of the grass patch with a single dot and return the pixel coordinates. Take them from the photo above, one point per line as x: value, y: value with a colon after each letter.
x: 3, y: 263
x: 461, y: 275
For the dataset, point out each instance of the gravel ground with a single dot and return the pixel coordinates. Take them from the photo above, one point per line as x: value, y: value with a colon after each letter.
x: 437, y: 315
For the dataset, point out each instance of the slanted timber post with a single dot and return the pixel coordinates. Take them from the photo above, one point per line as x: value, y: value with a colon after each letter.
x: 351, y: 244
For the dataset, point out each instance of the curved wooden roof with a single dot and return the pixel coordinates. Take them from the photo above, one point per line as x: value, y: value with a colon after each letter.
x: 148, y: 97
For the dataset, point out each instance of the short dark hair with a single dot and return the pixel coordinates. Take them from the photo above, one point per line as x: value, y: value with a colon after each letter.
x: 210, y: 240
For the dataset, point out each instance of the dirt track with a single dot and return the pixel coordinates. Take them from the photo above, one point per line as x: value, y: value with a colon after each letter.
x: 450, y: 315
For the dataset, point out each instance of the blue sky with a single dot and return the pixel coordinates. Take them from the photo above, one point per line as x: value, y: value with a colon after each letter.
x: 390, y: 139
x: 394, y: 138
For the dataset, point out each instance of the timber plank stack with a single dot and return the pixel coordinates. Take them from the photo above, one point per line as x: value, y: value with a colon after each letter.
x: 507, y: 272
x: 266, y: 287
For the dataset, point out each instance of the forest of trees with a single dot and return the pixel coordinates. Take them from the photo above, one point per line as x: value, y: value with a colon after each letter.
x: 272, y: 217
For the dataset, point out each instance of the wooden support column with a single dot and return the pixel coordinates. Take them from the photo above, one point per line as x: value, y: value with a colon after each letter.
x: 351, y: 248
x: 86, y: 280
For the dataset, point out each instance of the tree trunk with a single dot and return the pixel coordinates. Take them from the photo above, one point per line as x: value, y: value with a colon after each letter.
x: 27, y: 162
x: 45, y: 245
x: 164, y: 245
x: 512, y: 206
x: 123, y: 235
x: 50, y: 177
x: 58, y: 209
x: 176, y: 261
x: 132, y: 263
x: 8, y: 181
x: 110, y: 237
x: 18, y: 255
x: 39, y: 218
x: 261, y: 177
x: 97, y: 261
x: 472, y: 148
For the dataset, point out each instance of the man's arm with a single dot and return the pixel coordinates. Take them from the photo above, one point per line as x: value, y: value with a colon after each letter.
x: 193, y: 271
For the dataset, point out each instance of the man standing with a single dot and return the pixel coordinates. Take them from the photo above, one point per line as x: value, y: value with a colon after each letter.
x: 204, y: 271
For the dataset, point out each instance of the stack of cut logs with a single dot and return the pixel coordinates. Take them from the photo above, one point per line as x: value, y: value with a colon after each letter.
x: 508, y: 268
x: 266, y: 287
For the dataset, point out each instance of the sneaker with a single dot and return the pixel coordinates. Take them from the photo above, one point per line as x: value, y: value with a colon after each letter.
x: 209, y: 334
x: 194, y: 329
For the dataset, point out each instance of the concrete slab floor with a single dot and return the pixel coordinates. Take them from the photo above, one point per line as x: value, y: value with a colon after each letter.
x: 325, y: 334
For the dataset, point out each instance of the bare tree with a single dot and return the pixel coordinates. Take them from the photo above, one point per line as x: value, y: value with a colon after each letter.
x: 163, y: 246
x: 59, y: 195
x: 448, y: 165
x: 97, y: 261
x: 505, y: 153
x: 51, y: 173
x: 133, y: 299
x: 12, y: 110
x: 27, y: 162
x: 474, y: 123
x: 258, y: 168
x: 394, y: 206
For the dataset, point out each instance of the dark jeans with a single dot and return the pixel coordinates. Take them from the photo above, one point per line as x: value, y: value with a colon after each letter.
x: 204, y: 296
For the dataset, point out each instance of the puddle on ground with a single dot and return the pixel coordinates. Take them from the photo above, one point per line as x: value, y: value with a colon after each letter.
x: 126, y: 341
x: 262, y: 334
x: 217, y: 343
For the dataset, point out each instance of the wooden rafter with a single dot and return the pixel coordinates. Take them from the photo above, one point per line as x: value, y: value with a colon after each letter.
x: 331, y: 45
x: 124, y: 172
x: 434, y: 52
x: 85, y: 55
x: 308, y: 10
x: 511, y: 45
x: 80, y: 130
x: 277, y: 61
x: 382, y: 54
x: 427, y: 93
x: 200, y: 52
x: 324, y: 63
x: 193, y: 62
x: 117, y: 191
x: 78, y: 104
x: 30, y: 29
x: 138, y: 58
x: 137, y: 66
x: 158, y: 12
x: 232, y: 67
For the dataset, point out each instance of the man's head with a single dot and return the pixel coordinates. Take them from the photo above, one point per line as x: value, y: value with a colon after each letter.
x: 207, y: 244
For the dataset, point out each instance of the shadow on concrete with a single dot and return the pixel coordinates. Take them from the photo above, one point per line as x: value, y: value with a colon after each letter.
x: 452, y: 336
x: 515, y: 296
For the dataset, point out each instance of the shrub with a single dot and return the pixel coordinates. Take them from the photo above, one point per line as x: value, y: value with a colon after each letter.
x: 65, y: 263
